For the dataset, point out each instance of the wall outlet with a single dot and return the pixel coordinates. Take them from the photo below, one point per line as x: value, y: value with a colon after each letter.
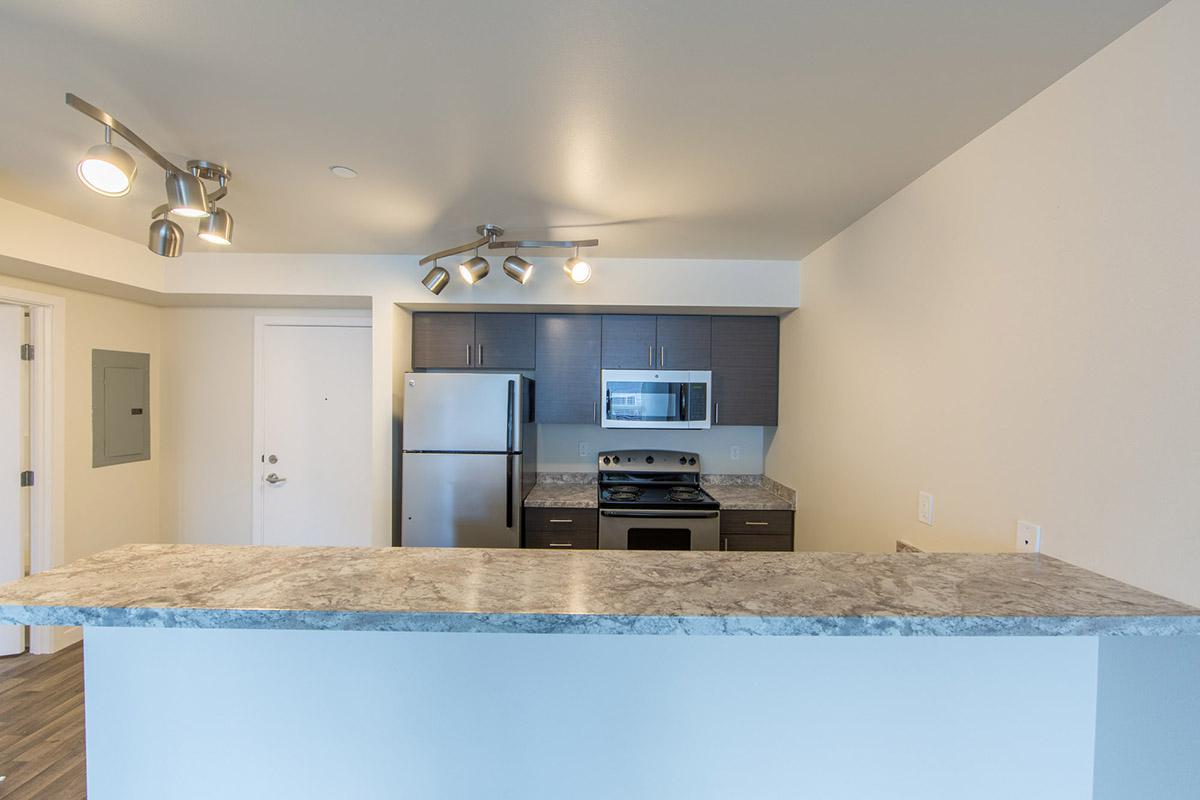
x: 583, y: 449
x: 735, y: 451
x: 1029, y: 537
x: 925, y: 508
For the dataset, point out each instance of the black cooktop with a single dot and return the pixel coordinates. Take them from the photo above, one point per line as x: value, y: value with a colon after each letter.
x: 648, y: 495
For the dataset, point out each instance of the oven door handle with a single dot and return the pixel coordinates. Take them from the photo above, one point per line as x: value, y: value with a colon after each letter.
x: 676, y: 514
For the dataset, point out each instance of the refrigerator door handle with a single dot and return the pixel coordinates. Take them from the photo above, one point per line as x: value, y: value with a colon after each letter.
x: 508, y: 491
x: 511, y: 413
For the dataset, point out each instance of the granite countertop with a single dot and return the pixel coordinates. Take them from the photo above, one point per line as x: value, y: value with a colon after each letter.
x: 733, y: 492
x: 741, y: 497
x: 599, y: 591
x: 562, y: 495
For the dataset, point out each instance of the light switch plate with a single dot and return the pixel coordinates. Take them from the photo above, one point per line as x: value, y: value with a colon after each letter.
x: 1029, y: 537
x: 925, y: 508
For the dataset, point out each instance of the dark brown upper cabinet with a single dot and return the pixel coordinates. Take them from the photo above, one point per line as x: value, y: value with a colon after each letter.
x: 567, y: 376
x: 745, y: 370
x: 504, y: 341
x: 630, y: 341
x: 684, y: 342
x: 474, y: 341
x: 442, y: 340
x: 639, y: 341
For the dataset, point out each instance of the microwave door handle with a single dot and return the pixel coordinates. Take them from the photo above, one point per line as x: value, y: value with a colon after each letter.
x: 683, y: 415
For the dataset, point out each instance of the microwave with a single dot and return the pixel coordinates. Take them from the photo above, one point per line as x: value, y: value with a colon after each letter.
x: 647, y: 398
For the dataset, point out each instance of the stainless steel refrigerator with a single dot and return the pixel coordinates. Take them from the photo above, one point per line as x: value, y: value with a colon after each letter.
x: 469, y: 458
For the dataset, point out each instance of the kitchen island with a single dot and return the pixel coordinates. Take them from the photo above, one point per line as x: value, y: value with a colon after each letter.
x: 359, y: 672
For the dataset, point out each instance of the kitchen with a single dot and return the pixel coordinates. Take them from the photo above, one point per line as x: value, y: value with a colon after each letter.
x: 475, y: 435
x: 596, y: 400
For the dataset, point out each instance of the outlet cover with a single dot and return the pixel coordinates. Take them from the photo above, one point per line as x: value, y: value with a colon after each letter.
x: 735, y: 451
x: 583, y: 449
x: 925, y: 508
x: 1029, y: 537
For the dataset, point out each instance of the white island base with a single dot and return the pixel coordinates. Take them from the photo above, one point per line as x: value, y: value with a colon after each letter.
x: 194, y: 714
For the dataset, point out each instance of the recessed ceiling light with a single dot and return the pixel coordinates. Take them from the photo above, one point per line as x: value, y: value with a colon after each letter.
x: 343, y: 172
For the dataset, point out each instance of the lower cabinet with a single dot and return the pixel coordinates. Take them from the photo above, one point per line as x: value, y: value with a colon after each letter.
x: 562, y: 528
x: 757, y: 530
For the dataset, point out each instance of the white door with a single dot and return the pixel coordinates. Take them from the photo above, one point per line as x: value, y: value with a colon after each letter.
x: 314, y: 467
x: 13, y: 417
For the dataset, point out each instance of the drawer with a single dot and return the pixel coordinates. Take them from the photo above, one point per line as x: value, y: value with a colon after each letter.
x: 565, y: 540
x: 765, y: 542
x: 756, y: 522
x: 562, y: 520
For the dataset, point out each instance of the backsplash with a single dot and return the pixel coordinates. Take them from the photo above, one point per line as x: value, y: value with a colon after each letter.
x: 558, y: 446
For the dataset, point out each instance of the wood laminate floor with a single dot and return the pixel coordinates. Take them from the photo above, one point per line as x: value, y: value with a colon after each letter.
x: 41, y: 726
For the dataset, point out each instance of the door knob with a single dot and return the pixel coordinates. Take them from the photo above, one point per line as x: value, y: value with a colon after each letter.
x: 274, y: 479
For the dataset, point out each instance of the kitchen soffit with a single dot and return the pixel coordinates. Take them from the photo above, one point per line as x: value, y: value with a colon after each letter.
x: 717, y: 130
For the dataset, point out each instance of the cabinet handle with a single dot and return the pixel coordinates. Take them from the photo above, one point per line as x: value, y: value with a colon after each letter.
x: 559, y: 544
x: 717, y: 413
x: 724, y: 542
x: 568, y: 521
x: 650, y: 353
x: 595, y: 411
x: 468, y: 355
x: 662, y: 356
x: 748, y: 522
x: 481, y: 355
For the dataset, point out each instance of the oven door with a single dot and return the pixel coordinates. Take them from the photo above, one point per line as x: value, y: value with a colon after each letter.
x: 644, y: 398
x: 636, y: 529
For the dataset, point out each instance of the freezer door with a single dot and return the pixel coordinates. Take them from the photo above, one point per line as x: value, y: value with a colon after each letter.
x: 461, y: 500
x: 462, y: 411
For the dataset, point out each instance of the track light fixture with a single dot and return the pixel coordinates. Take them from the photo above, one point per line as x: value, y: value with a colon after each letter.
x: 186, y: 196
x: 476, y: 268
x: 436, y: 279
x: 107, y: 169
x: 217, y: 227
x: 577, y: 269
x: 110, y: 171
x: 166, y: 237
x: 518, y: 268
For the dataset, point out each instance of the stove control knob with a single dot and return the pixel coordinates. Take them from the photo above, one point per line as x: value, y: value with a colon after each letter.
x: 692, y: 461
x: 683, y: 459
x: 607, y: 460
x: 649, y: 459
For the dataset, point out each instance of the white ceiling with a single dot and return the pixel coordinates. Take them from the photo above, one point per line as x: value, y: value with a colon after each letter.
x: 718, y: 129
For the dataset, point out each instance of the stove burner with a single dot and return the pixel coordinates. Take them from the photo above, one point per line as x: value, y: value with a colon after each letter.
x: 684, y: 494
x: 624, y: 493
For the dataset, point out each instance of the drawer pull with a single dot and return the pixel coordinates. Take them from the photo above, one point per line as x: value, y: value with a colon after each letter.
x: 748, y: 522
x: 559, y: 544
x: 568, y: 521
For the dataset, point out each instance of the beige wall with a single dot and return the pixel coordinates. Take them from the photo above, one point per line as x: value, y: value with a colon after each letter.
x: 1018, y: 332
x: 208, y: 396
x: 114, y: 505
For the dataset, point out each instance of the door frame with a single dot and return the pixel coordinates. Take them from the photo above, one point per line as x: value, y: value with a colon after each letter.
x: 258, y: 443
x: 47, y: 446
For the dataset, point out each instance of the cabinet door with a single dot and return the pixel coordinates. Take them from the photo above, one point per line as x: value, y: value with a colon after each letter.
x: 684, y: 342
x: 504, y: 341
x: 745, y: 370
x: 567, y: 374
x: 443, y: 340
x: 629, y: 342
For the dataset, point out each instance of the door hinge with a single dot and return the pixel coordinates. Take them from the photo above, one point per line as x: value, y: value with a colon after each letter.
x: 27, y: 352
x: 27, y: 478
